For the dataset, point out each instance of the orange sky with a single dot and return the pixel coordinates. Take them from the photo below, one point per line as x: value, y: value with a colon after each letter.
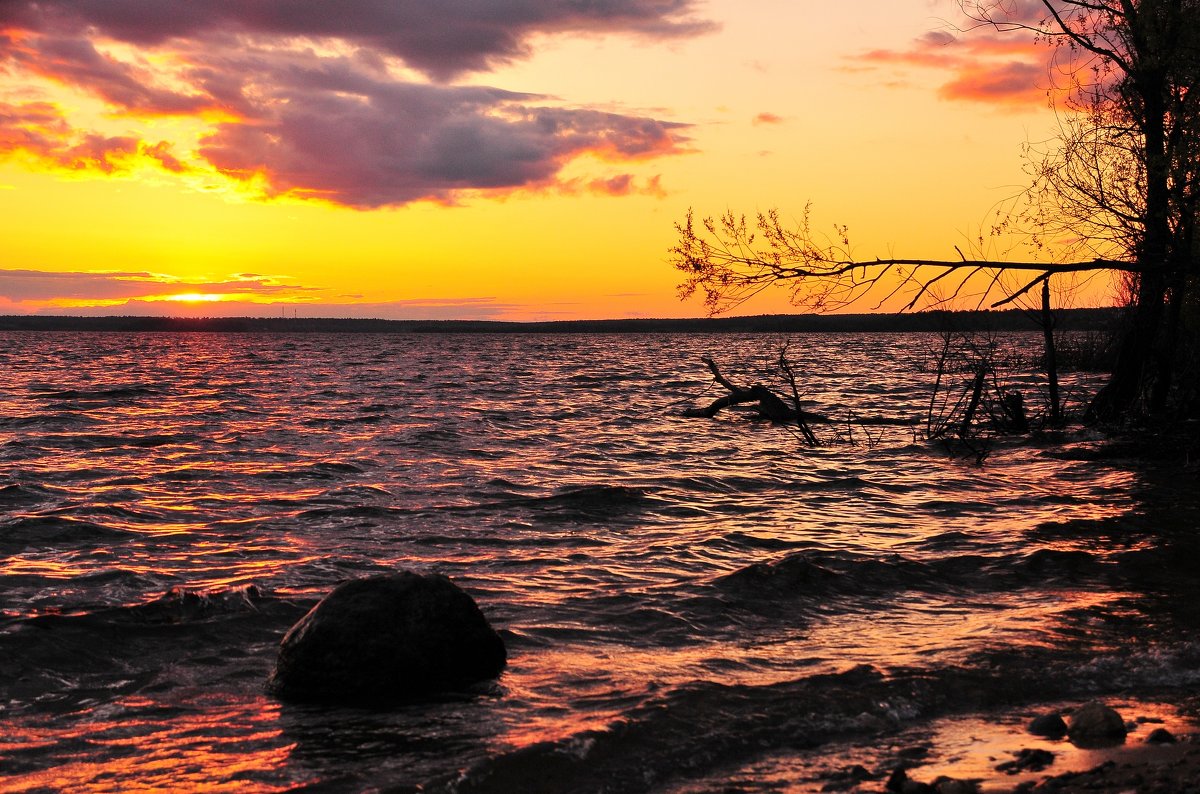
x: 514, y: 159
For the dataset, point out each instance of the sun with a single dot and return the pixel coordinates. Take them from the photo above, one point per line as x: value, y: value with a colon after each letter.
x: 196, y: 297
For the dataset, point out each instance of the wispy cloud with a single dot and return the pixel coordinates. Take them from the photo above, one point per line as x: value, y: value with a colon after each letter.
x: 349, y: 102
x: 145, y: 294
x: 38, y: 287
x: 40, y: 132
x: 1009, y: 72
x: 767, y: 118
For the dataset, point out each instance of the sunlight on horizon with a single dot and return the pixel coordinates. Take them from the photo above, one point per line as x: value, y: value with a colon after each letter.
x: 533, y: 182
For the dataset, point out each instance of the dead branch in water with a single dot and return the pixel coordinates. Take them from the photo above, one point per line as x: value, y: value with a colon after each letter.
x: 769, y: 404
x: 789, y: 375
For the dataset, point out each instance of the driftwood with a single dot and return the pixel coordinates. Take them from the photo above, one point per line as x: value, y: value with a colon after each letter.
x: 770, y: 405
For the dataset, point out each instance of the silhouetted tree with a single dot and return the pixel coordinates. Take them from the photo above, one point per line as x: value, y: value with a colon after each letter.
x: 1122, y: 179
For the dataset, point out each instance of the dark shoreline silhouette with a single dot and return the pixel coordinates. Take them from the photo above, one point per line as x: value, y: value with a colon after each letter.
x: 1008, y: 320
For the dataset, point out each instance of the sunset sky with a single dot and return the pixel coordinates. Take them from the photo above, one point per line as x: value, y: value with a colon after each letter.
x: 494, y: 159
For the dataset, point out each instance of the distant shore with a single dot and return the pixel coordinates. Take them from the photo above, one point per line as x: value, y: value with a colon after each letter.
x: 1009, y: 320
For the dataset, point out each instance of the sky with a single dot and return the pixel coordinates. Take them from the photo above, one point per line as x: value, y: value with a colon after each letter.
x: 482, y: 159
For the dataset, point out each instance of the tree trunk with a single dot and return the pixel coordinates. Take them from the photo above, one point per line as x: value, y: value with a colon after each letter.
x: 1131, y: 375
x: 1051, y: 355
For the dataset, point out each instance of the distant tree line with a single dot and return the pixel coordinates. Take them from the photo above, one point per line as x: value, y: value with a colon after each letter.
x: 1006, y: 320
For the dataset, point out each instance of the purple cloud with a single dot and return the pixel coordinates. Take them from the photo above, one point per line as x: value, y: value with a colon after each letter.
x: 38, y: 130
x: 339, y: 135
x: 311, y: 117
x: 442, y: 39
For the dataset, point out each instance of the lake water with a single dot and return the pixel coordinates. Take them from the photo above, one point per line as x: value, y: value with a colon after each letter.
x: 688, y: 604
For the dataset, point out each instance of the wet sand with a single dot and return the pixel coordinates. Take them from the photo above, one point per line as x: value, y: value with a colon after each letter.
x: 1164, y: 769
x: 983, y: 749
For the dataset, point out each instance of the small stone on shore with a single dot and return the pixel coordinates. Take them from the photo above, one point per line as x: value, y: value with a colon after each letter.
x: 1027, y: 760
x: 1051, y: 726
x: 1095, y: 725
x: 901, y: 783
x: 1160, y: 736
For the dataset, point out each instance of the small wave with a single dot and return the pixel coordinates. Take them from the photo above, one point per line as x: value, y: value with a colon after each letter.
x: 692, y: 730
x: 705, y: 729
x: 69, y: 661
x: 183, y: 605
x: 326, y: 470
x: 57, y: 422
x: 99, y: 441
x: 587, y: 502
x: 745, y: 540
x: 816, y: 574
x: 116, y: 393
x: 16, y: 494
x: 352, y: 511
x: 53, y: 531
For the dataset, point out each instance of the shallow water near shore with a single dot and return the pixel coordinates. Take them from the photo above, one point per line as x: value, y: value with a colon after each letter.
x: 683, y: 599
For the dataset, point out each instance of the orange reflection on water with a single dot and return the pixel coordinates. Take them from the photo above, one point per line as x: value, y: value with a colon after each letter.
x: 208, y: 747
x: 605, y: 681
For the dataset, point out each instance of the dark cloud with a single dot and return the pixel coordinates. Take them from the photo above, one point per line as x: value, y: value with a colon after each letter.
x: 442, y: 38
x: 327, y: 115
x: 345, y: 137
x: 75, y: 61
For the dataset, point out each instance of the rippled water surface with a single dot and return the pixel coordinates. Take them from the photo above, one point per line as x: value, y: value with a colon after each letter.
x: 680, y: 597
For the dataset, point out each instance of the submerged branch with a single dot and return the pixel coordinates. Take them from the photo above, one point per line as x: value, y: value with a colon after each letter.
x: 770, y: 405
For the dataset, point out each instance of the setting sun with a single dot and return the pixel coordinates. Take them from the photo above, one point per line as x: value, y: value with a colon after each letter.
x: 197, y: 297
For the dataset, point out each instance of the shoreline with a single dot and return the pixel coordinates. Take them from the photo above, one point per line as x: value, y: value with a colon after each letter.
x: 985, y: 749
x: 1163, y: 769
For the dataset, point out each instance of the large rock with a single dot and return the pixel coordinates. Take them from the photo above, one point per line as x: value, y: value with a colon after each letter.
x: 1095, y: 724
x: 388, y: 637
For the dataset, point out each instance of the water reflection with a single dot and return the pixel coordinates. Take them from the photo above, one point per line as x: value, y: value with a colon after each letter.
x: 173, y: 503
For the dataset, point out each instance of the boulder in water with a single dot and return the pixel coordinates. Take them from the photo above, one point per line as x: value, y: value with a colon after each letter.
x: 1095, y: 724
x: 389, y: 637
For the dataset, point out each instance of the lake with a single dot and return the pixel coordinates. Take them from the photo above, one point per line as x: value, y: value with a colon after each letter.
x: 688, y: 604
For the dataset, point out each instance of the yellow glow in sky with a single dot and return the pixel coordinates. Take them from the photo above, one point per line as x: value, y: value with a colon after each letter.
x: 225, y: 165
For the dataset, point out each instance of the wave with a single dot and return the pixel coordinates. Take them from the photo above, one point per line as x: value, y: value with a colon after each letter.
x: 55, y: 422
x: 820, y: 574
x: 591, y: 497
x: 54, y: 531
x: 101, y: 441
x: 705, y: 729
x: 92, y: 655
x: 325, y: 470
x: 110, y: 394
x: 15, y: 494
